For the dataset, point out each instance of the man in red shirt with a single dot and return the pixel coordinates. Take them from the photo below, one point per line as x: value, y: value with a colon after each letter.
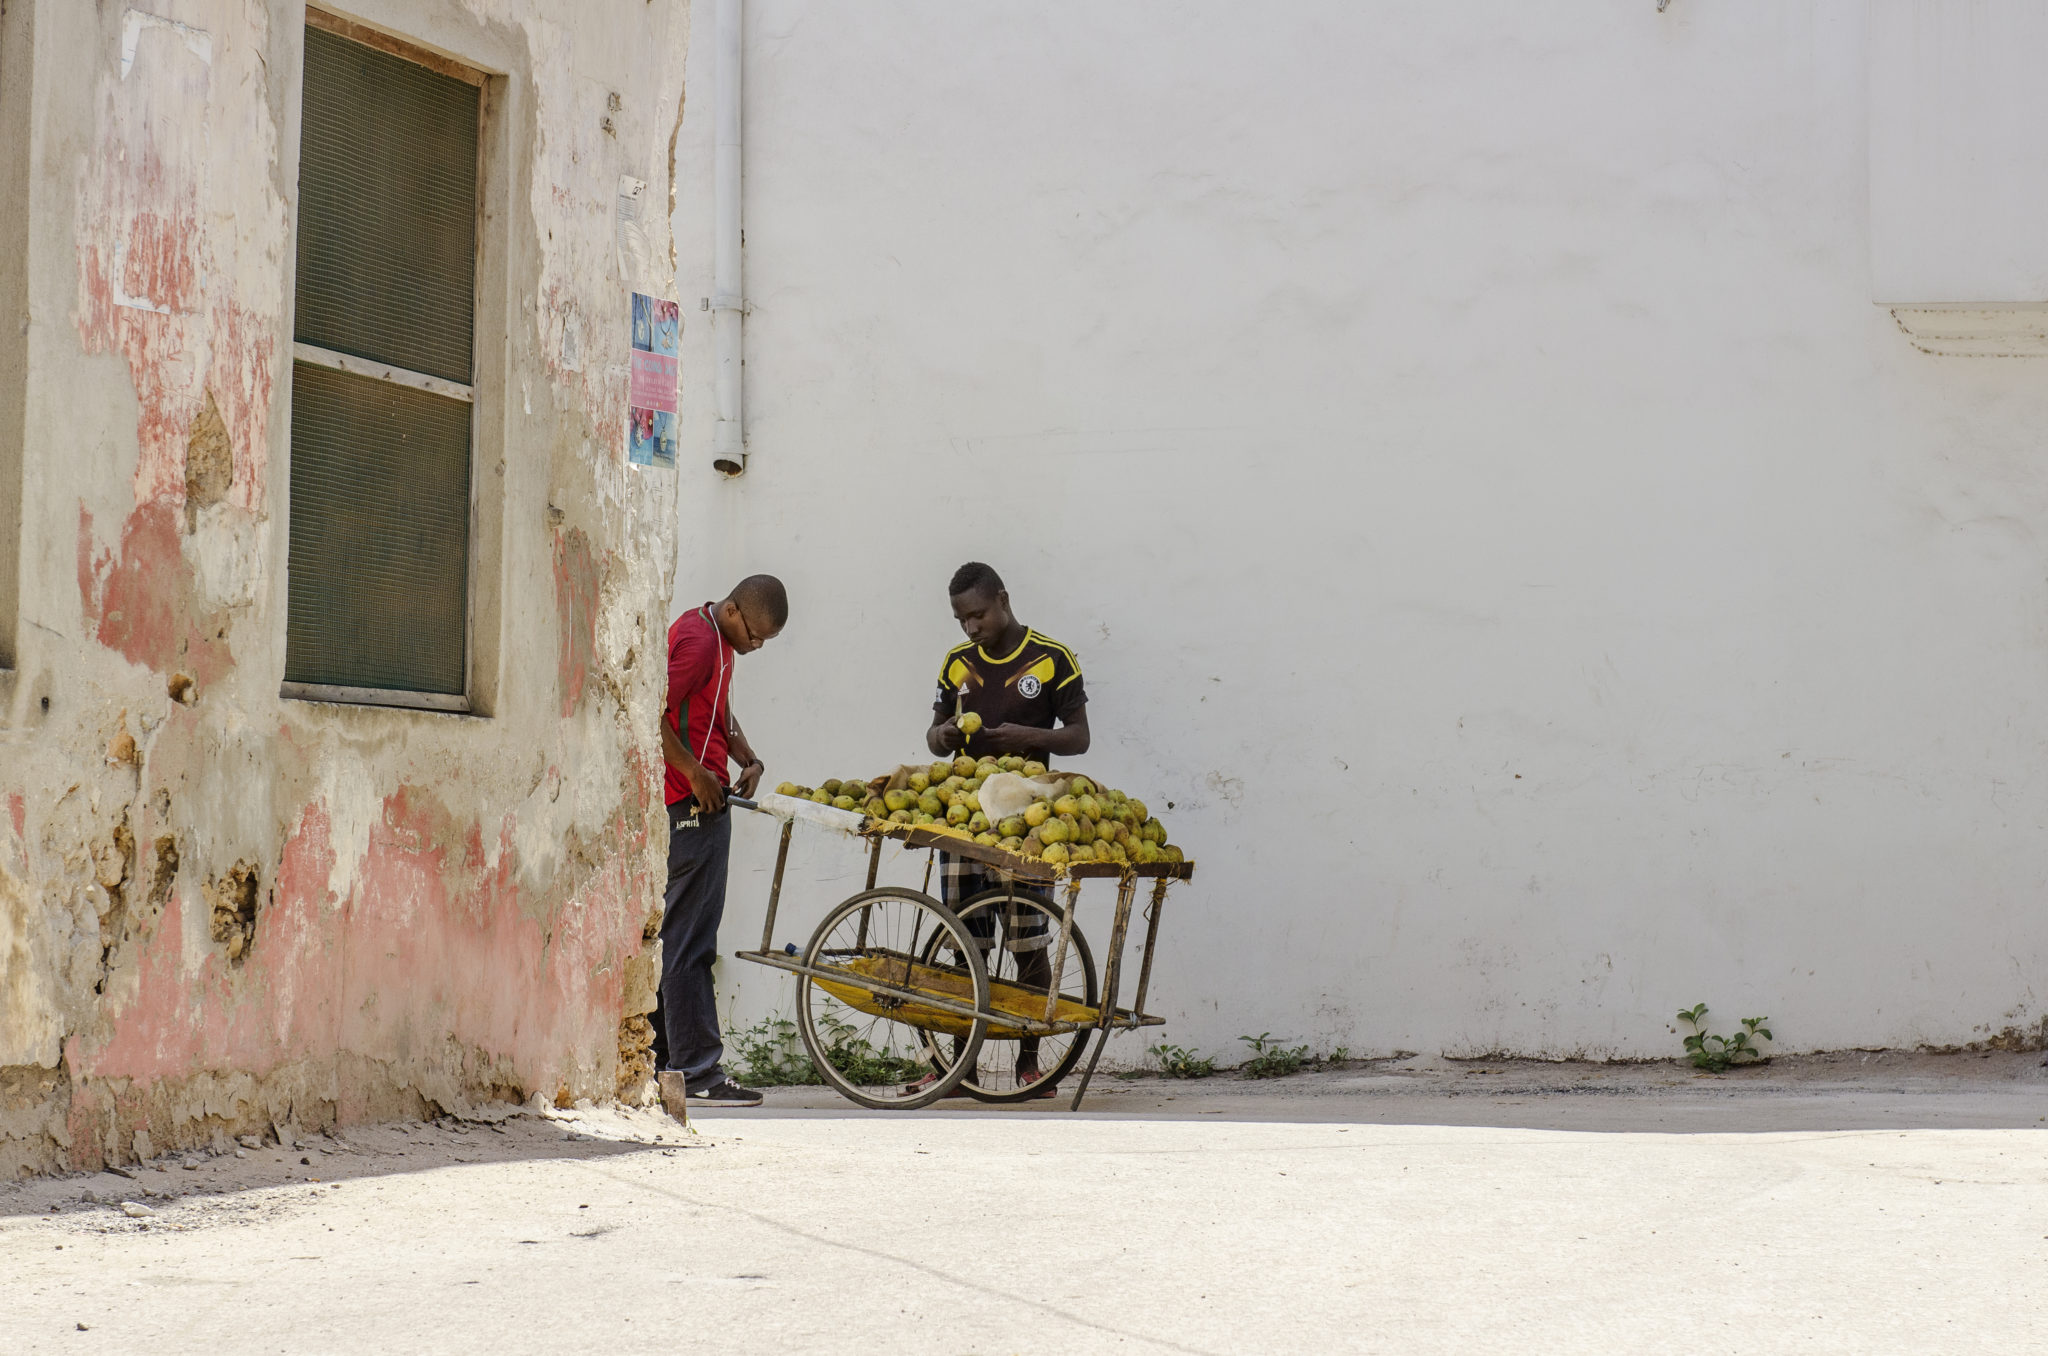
x: 699, y: 738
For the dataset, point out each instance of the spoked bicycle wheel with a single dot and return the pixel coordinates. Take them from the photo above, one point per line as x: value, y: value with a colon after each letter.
x: 1018, y: 935
x: 870, y: 1045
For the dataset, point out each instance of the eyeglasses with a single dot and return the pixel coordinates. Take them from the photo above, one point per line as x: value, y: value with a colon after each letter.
x: 754, y: 642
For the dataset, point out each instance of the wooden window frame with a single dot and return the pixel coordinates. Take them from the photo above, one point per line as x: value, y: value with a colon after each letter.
x: 491, y: 158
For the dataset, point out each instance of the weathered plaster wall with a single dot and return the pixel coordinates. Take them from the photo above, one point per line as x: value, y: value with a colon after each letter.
x: 219, y: 908
x: 1461, y: 444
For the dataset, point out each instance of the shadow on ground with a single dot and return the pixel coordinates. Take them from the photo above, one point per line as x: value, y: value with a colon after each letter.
x: 331, y: 1161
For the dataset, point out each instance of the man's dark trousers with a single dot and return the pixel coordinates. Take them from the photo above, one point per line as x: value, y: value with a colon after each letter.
x: 686, y: 1016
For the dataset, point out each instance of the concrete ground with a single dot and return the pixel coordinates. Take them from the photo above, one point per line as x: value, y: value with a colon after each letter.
x: 1850, y: 1203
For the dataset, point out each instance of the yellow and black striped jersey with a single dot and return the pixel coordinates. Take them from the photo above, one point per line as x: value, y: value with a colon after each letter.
x: 1037, y: 685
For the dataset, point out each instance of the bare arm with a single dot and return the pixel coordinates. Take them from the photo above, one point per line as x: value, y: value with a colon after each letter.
x: 743, y: 754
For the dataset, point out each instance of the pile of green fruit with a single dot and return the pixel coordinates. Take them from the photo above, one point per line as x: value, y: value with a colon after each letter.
x: 1085, y: 824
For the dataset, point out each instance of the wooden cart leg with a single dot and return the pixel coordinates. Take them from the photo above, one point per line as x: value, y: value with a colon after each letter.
x: 1151, y: 941
x: 1059, y: 960
x: 775, y: 887
x: 1126, y: 889
x: 874, y: 869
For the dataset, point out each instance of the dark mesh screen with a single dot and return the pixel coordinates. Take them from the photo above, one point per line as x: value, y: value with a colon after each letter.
x: 380, y: 534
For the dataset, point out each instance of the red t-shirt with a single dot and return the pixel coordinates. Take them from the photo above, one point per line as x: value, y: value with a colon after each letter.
x: 699, y: 690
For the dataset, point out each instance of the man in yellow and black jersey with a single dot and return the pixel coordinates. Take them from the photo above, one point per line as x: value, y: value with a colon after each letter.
x: 1027, y: 689
x: 1025, y: 686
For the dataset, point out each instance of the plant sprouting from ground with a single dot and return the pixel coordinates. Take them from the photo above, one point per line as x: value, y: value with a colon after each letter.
x: 1717, y: 1054
x: 1271, y: 1058
x: 1180, y: 1061
x: 769, y: 1054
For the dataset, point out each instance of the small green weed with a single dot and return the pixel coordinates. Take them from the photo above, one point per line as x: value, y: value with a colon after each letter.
x: 861, y: 1062
x: 769, y: 1054
x: 1178, y: 1061
x: 1717, y: 1054
x: 1271, y: 1058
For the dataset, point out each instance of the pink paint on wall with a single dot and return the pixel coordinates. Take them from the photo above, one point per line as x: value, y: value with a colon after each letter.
x: 433, y: 945
x: 143, y: 602
x: 160, y: 222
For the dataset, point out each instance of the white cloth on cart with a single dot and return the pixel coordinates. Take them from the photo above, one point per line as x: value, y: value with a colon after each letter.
x: 809, y: 811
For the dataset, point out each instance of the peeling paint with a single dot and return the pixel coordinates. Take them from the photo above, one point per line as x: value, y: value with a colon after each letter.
x: 576, y: 602
x: 238, y: 909
x: 143, y: 602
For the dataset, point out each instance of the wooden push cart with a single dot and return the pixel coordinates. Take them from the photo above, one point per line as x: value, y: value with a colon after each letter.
x: 902, y: 1001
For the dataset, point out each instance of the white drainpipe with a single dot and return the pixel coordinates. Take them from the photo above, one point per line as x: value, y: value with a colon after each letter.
x: 728, y: 303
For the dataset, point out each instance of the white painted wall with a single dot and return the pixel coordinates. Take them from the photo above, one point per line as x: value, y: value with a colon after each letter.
x: 1461, y: 444
x: 1958, y: 151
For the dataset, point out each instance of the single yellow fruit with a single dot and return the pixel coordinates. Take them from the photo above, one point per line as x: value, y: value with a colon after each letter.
x: 941, y: 770
x: 973, y: 801
x: 1033, y: 768
x: 822, y: 797
x: 1091, y: 808
x: 1055, y: 853
x: 1084, y: 830
x: 1036, y: 813
x: 1066, y: 807
x: 1154, y: 832
x: 1138, y: 811
x: 899, y: 816
x: 1013, y: 827
x: 978, y: 822
x: 987, y: 839
x: 956, y: 814
x: 970, y: 722
x: 1055, y: 831
x: 919, y: 781
x: 986, y: 768
x: 930, y: 803
x: 829, y: 786
x: 845, y: 803
x: 875, y: 808
x: 920, y: 818
x: 1082, y: 787
x: 789, y: 789
x: 1031, y: 846
x: 1169, y: 853
x: 899, y: 800
x: 963, y: 766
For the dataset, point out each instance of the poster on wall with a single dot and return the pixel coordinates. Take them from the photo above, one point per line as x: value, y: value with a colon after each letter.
x: 651, y: 401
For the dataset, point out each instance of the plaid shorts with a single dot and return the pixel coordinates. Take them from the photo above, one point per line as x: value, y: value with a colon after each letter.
x: 961, y: 879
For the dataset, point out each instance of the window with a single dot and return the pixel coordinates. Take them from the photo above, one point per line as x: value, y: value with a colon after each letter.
x: 383, y: 349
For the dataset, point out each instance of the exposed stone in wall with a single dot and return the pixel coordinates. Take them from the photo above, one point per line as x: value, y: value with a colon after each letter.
x: 232, y: 899
x: 209, y: 459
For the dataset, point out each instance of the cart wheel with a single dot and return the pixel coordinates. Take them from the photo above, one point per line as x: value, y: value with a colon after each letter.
x: 865, y: 1044
x: 1001, y: 916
